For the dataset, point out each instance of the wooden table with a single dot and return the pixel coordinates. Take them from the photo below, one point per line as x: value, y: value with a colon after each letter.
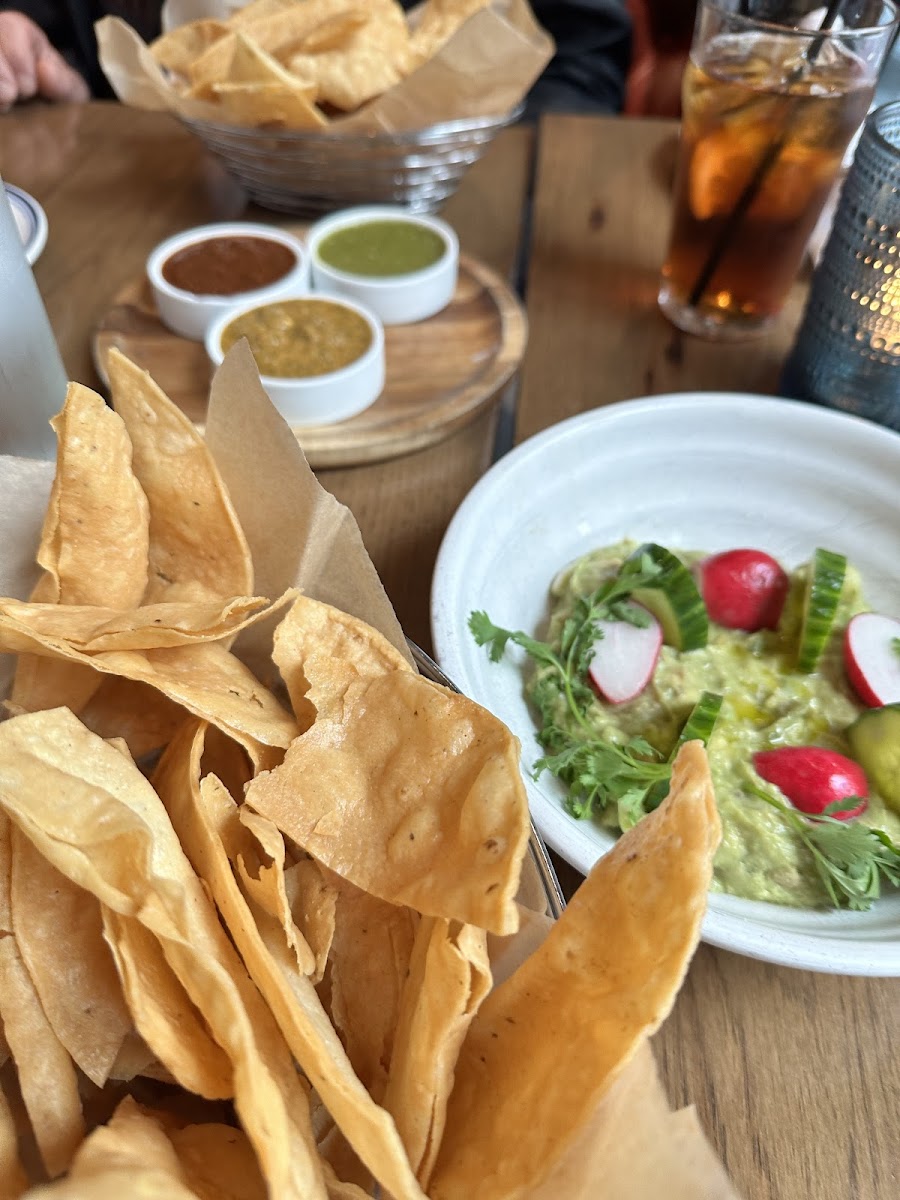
x: 796, y: 1076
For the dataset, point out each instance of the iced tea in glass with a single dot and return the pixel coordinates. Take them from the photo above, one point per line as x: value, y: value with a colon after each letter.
x: 771, y: 99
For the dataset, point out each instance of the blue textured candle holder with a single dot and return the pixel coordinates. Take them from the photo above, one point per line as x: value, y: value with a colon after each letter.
x: 847, y: 351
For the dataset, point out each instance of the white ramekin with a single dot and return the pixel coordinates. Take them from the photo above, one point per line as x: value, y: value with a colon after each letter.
x: 316, y: 399
x: 190, y: 314
x: 396, y: 299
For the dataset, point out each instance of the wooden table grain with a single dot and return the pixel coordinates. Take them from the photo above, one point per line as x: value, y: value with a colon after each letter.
x: 796, y: 1076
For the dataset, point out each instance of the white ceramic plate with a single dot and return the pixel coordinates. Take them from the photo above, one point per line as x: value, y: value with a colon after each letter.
x: 691, y: 470
x: 31, y: 221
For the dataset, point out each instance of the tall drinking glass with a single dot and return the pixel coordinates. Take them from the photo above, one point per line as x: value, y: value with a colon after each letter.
x: 32, y: 376
x: 773, y: 92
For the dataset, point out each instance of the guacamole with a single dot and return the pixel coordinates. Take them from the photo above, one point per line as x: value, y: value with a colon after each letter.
x: 766, y: 704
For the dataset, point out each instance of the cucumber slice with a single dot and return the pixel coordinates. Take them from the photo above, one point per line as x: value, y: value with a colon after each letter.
x: 823, y: 594
x: 701, y: 720
x: 674, y: 598
x: 699, y: 725
x: 874, y: 738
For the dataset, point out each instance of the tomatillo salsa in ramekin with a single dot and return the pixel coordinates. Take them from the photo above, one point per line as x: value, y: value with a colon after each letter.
x: 203, y: 272
x: 321, y: 359
x: 402, y: 265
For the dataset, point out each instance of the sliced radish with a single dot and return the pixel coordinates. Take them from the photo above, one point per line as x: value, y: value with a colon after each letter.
x: 812, y: 778
x: 743, y: 589
x: 624, y: 656
x: 872, y: 658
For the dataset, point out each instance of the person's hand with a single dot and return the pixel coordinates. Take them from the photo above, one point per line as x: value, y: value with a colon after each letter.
x: 29, y: 65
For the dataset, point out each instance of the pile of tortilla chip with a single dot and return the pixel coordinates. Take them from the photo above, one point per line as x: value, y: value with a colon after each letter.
x: 265, y: 937
x: 309, y: 64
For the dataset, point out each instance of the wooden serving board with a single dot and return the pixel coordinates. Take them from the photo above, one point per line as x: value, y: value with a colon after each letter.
x: 440, y: 373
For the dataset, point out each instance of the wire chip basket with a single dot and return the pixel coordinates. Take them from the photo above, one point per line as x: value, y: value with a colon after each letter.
x: 311, y: 173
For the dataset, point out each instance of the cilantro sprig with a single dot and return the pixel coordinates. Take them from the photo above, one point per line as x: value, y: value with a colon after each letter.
x: 597, y: 773
x: 895, y: 644
x: 850, y: 858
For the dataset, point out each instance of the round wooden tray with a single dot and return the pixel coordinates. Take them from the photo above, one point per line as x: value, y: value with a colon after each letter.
x: 440, y: 373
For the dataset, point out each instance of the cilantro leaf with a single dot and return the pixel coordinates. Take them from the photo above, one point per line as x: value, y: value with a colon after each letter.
x: 598, y: 774
x: 632, y: 777
x: 850, y: 858
x: 895, y: 643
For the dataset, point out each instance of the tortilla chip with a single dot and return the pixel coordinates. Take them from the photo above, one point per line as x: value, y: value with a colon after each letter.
x: 267, y: 104
x: 60, y: 783
x: 339, y: 1190
x: 136, y: 712
x: 205, y: 678
x: 212, y: 66
x: 368, y: 964
x: 313, y: 902
x: 100, y: 518
x: 260, y: 10
x: 45, y: 1072
x: 94, y: 543
x: 202, y: 813
x: 409, y: 791
x: 638, y: 1147
x: 135, y: 1058
x: 227, y: 760
x: 13, y: 1180
x: 59, y: 933
x: 167, y: 1020
x: 178, y: 48
x: 327, y: 659
x: 371, y: 59
x: 333, y: 32
x: 282, y: 33
x: 131, y: 1156
x: 548, y: 1044
x: 197, y: 548
x: 218, y: 1162
x: 251, y: 64
x: 5, y: 875
x: 449, y: 977
x: 92, y: 630
x: 258, y: 859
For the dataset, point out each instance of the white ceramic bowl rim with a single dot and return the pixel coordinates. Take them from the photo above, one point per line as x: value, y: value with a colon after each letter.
x: 375, y: 347
x: 365, y: 214
x: 34, y: 239
x: 205, y: 233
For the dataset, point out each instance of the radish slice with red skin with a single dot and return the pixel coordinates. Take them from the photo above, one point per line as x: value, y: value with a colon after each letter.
x: 812, y: 778
x: 624, y: 657
x: 872, y: 658
x: 743, y: 589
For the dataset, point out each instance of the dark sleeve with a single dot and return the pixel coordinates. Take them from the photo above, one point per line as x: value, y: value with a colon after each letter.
x: 593, y: 53
x: 52, y: 18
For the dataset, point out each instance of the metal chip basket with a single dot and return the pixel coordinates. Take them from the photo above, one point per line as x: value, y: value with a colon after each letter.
x: 308, y: 174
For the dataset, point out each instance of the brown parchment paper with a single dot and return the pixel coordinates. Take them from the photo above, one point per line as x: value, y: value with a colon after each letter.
x: 634, y: 1147
x: 485, y: 69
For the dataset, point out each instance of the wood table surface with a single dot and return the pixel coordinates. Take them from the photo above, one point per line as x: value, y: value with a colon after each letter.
x: 796, y: 1076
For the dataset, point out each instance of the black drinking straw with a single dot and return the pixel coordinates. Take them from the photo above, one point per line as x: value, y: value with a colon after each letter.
x: 751, y: 188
